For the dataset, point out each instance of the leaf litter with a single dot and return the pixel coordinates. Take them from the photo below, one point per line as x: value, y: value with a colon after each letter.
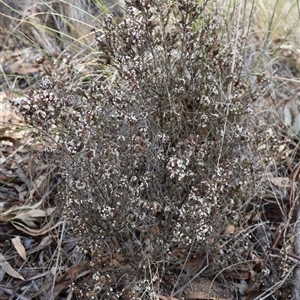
x: 30, y: 224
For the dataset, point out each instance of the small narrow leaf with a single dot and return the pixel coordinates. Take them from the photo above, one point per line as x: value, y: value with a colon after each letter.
x: 19, y: 247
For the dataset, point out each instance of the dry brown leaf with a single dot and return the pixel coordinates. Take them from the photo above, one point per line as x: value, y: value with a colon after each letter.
x: 256, y: 259
x: 26, y: 213
x: 35, y: 232
x: 230, y: 229
x: 119, y: 257
x: 38, y: 181
x: 39, y: 184
x: 30, y: 216
x: 257, y: 216
x: 201, y: 296
x: 248, y: 216
x: 19, y: 247
x: 46, y: 241
x: 36, y: 205
x: 10, y: 214
x: 281, y: 181
x: 195, y: 265
x: 8, y: 269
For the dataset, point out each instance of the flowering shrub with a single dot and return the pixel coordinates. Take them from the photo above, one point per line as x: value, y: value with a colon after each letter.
x: 150, y: 148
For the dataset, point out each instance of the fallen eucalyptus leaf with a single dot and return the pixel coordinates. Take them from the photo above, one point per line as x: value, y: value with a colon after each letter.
x: 281, y: 181
x: 8, y: 269
x: 19, y: 247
